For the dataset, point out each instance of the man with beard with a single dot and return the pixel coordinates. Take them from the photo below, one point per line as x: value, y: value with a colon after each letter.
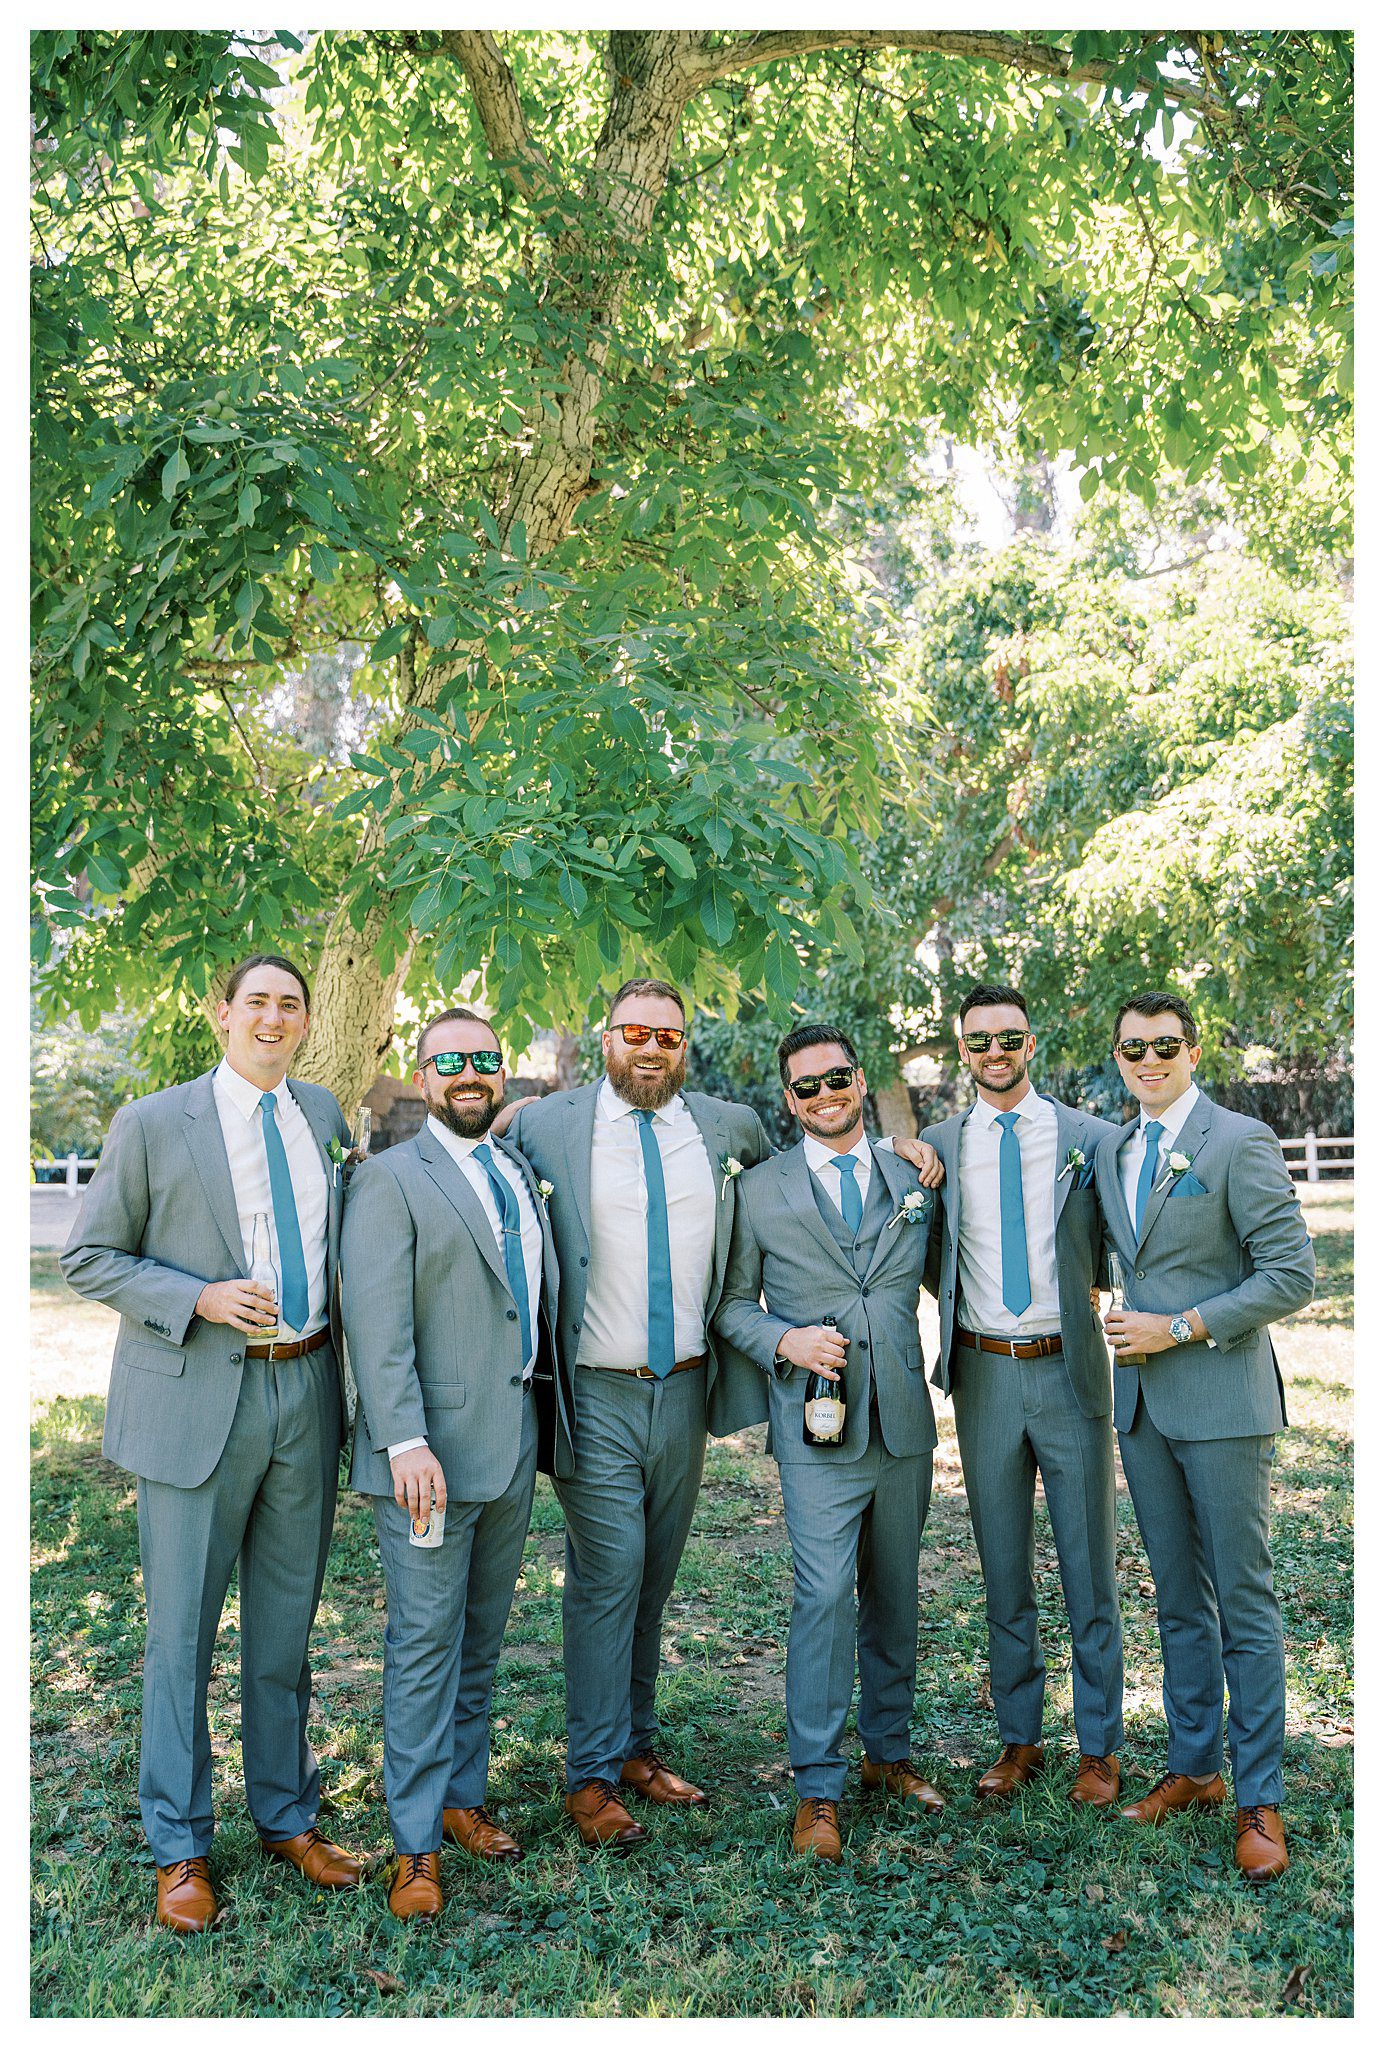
x: 449, y: 1281
x: 644, y: 1181
x: 828, y: 1231
x: 1024, y: 1359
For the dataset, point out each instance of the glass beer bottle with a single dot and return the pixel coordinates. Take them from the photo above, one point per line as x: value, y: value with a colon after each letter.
x: 824, y: 1404
x: 264, y: 1273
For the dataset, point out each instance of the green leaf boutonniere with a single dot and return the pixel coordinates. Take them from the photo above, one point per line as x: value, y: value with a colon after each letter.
x: 731, y: 1169
x: 337, y: 1156
x: 1076, y: 1162
x: 912, y: 1209
x: 1177, y: 1164
x: 545, y: 1189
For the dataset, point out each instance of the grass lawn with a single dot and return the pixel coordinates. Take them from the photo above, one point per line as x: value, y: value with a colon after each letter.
x: 1035, y: 1908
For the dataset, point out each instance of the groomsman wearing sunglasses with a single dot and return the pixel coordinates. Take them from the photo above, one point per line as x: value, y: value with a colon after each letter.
x: 233, y: 1438
x: 832, y: 1230
x: 450, y: 1279
x: 1024, y: 1360
x: 1213, y: 1247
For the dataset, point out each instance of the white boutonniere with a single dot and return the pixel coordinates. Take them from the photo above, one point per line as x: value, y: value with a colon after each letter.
x: 338, y: 1158
x: 545, y: 1189
x: 1177, y: 1164
x: 731, y: 1169
x: 1076, y: 1163
x: 911, y: 1208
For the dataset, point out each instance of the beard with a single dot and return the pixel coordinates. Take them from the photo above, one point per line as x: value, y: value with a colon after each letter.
x: 1018, y: 1074
x: 469, y: 1119
x: 817, y: 1126
x: 644, y: 1091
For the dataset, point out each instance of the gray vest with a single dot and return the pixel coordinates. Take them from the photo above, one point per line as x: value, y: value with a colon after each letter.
x: 859, y: 1249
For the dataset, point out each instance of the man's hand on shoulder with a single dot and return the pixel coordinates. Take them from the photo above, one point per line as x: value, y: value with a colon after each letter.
x: 506, y: 1116
x: 918, y: 1153
x: 241, y: 1304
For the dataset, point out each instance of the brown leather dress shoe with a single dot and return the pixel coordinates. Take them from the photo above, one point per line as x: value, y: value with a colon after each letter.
x: 1016, y: 1763
x: 602, y: 1821
x: 186, y: 1901
x: 1260, y: 1850
x: 651, y: 1777
x: 415, y: 1893
x: 817, y: 1831
x: 472, y: 1829
x: 320, y: 1861
x: 1171, y: 1794
x: 1097, y: 1781
x: 901, y: 1781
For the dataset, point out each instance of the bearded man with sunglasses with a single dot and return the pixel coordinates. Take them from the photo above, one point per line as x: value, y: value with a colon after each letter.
x: 1206, y: 1226
x: 450, y: 1282
x: 1023, y: 1358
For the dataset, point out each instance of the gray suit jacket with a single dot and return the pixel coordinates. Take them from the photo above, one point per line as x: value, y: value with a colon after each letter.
x: 432, y: 1324
x: 782, y: 1247
x: 554, y: 1133
x: 1226, y: 1238
x: 1079, y: 1253
x: 158, y: 1222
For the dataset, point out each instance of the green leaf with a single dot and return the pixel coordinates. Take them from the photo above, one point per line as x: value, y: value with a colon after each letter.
x: 716, y: 909
x: 175, y: 473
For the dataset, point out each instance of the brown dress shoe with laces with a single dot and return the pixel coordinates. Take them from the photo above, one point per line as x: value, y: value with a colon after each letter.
x: 472, y: 1829
x: 1171, y: 1794
x: 817, y: 1831
x: 602, y: 1821
x: 650, y: 1776
x: 320, y: 1861
x: 1097, y: 1781
x: 185, y: 1899
x: 1260, y: 1850
x: 416, y: 1890
x: 901, y: 1781
x: 1016, y: 1763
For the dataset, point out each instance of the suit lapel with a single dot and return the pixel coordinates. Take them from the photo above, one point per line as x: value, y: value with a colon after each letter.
x: 900, y: 1179
x: 715, y: 1135
x: 443, y: 1169
x: 1188, y: 1142
x: 208, y: 1149
x: 795, y: 1178
x: 1068, y: 1140
x: 581, y: 1125
x: 550, y: 1272
x: 318, y: 1117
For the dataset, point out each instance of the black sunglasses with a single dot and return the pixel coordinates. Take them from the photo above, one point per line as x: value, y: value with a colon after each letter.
x: 640, y: 1034
x: 1007, y: 1041
x: 1166, y: 1048
x: 811, y: 1084
x: 449, y: 1063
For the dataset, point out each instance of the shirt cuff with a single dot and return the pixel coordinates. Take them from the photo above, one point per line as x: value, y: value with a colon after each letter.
x: 410, y: 1443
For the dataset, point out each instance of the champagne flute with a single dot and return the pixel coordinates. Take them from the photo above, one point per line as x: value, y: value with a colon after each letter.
x: 1117, y: 1302
x: 361, y: 1128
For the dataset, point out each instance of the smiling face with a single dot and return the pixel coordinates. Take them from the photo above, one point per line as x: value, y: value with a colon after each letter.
x: 834, y: 1114
x: 1001, y: 1077
x: 1156, y: 1083
x: 646, y: 1076
x: 467, y: 1103
x: 265, y: 1022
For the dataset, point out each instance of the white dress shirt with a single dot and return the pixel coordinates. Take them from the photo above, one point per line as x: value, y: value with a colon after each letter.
x: 1133, y: 1149
x: 980, y: 1303
x: 821, y: 1161
x: 615, y: 1331
x: 462, y: 1150
x: 242, y: 1127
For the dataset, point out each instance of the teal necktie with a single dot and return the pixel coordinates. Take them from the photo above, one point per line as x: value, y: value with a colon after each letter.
x: 1146, y: 1174
x: 1015, y: 1286
x: 852, y: 1208
x: 511, y: 1236
x: 662, y: 1353
x: 293, y: 1271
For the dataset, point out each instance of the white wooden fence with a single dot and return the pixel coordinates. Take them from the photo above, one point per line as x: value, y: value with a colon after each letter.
x: 1335, y: 1155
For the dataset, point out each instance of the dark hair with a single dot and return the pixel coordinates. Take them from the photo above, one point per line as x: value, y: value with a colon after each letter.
x: 987, y: 995
x: 452, y: 1017
x: 1153, y: 1003
x: 644, y: 986
x: 803, y: 1035
x: 244, y: 967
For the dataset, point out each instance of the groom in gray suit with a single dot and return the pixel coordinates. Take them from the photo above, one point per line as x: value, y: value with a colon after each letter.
x: 450, y: 1277
x: 234, y: 1442
x: 1024, y: 1360
x: 832, y: 1230
x: 1210, y: 1239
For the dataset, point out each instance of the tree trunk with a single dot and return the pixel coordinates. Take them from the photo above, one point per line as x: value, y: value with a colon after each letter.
x: 352, y: 1011
x: 894, y: 1108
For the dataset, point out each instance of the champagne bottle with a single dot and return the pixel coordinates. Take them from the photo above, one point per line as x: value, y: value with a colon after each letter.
x: 824, y: 1404
x: 264, y: 1272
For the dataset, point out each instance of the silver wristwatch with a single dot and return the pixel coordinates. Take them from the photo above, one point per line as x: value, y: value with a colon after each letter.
x: 1180, y: 1330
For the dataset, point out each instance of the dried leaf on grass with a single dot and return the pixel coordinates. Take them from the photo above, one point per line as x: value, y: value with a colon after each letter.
x: 384, y: 1982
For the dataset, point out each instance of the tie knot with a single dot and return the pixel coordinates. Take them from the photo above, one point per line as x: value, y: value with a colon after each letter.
x: 267, y: 1104
x: 1153, y: 1131
x: 484, y: 1154
x: 1007, y: 1117
x: 844, y: 1162
x: 644, y: 1116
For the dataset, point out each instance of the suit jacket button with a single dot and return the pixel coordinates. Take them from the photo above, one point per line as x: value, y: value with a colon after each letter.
x: 576, y: 1329
x: 235, y: 1358
x: 583, y: 1262
x: 1138, y: 1272
x: 513, y: 1314
x: 514, y: 1379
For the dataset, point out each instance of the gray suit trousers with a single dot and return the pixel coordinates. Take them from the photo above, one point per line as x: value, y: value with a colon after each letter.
x: 640, y: 1445
x: 269, y: 1501
x: 1203, y: 1512
x: 1016, y: 1417
x: 855, y: 1526
x: 447, y: 1613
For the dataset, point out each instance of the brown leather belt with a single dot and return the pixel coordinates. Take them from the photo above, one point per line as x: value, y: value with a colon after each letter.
x: 643, y: 1372
x: 291, y: 1348
x: 1030, y: 1347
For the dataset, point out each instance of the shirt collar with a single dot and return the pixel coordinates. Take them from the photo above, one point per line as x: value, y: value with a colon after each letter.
x: 452, y: 1141
x: 1174, y: 1116
x: 819, y: 1155
x: 1029, y: 1106
x: 243, y: 1095
x: 613, y: 1105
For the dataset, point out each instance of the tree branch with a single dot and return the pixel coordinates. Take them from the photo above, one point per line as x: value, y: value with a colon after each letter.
x: 497, y: 103
x: 1037, y: 60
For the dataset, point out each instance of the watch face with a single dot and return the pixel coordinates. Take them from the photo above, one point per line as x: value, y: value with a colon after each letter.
x: 1181, y: 1329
